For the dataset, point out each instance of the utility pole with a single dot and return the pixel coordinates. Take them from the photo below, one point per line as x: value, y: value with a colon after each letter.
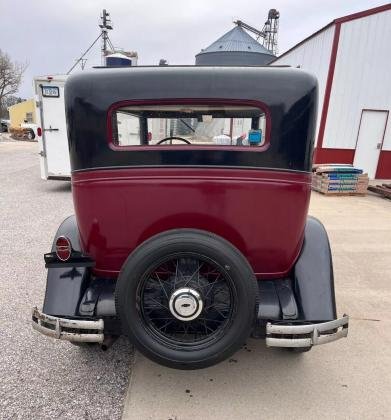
x: 105, y: 26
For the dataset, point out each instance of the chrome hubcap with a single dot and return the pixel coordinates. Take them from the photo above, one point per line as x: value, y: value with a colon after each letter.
x: 185, y: 304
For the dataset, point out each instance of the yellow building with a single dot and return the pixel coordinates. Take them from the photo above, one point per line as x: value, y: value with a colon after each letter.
x: 22, y: 111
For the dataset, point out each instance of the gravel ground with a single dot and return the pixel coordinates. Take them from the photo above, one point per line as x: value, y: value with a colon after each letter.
x: 42, y: 378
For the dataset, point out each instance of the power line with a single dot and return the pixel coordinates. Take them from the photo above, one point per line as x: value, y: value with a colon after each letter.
x: 111, y: 44
x: 85, y: 52
x: 105, y: 26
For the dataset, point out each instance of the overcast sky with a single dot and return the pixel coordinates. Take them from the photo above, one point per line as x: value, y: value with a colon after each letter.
x: 50, y: 35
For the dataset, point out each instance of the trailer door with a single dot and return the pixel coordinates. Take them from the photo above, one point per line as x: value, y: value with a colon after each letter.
x: 54, y: 130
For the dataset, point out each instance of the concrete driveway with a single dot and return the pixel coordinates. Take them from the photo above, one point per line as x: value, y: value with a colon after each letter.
x: 349, y: 379
x: 44, y: 379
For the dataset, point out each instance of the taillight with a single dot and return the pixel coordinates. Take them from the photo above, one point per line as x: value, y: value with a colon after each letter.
x: 39, y: 131
x: 63, y: 248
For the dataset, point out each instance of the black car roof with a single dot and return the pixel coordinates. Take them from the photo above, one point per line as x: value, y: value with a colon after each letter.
x: 289, y: 95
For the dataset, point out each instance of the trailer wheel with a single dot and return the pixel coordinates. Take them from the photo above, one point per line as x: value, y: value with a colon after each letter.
x: 187, y: 299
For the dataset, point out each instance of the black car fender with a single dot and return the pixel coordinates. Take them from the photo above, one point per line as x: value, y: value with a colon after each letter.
x: 70, y: 293
x: 313, y: 275
x: 65, y: 286
x: 69, y: 229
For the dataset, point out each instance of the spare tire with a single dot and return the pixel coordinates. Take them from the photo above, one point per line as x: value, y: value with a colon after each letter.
x: 187, y: 299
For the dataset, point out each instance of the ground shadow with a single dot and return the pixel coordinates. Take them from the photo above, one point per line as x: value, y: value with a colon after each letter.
x: 58, y: 186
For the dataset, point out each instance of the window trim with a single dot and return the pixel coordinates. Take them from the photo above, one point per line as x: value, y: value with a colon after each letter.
x: 189, y: 101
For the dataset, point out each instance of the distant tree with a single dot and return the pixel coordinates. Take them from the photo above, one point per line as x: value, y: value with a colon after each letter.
x: 7, y: 102
x: 12, y: 100
x: 10, y: 78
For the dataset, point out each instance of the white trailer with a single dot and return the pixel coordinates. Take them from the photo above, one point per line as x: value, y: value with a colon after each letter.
x: 52, y: 130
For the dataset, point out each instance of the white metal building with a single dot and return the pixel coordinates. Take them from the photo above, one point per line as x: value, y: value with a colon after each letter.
x: 351, y: 58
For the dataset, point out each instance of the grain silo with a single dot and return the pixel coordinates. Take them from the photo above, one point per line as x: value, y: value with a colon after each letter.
x: 236, y: 47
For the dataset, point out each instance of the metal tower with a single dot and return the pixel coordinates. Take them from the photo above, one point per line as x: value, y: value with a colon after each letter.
x: 269, y: 32
x: 105, y: 26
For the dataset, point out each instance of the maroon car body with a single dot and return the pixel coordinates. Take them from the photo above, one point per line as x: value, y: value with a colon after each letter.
x: 112, y: 223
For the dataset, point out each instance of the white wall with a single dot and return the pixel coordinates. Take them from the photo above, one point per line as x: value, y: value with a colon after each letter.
x: 313, y: 56
x: 128, y: 127
x: 362, y: 79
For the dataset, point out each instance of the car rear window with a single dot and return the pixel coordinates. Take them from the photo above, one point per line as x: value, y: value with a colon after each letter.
x: 196, y: 125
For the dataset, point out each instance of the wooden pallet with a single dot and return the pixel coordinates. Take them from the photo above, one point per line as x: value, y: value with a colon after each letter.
x: 384, y: 190
x: 340, y: 194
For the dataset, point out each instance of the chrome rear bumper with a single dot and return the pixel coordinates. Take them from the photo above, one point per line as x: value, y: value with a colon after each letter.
x: 306, y: 335
x: 68, y: 329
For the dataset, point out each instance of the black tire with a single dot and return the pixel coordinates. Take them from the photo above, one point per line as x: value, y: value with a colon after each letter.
x: 30, y: 134
x: 186, y: 245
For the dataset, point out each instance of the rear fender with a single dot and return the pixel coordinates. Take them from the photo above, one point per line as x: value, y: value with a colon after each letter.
x: 313, y: 275
x: 69, y: 229
x: 65, y: 286
x: 69, y: 291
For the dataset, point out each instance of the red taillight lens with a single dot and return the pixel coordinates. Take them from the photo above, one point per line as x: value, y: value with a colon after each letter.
x: 63, y: 248
x: 39, y: 131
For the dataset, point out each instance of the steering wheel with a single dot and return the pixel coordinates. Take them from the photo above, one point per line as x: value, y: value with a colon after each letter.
x: 173, y: 138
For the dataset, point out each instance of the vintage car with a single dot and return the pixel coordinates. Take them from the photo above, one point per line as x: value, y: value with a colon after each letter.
x: 191, y: 188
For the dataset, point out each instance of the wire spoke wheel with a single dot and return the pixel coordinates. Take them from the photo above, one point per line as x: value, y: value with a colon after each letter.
x: 186, y: 300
